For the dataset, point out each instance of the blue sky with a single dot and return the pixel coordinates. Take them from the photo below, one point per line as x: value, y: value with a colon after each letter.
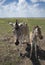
x: 22, y: 8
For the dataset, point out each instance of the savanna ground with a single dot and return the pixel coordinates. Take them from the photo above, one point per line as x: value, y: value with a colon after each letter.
x: 8, y: 53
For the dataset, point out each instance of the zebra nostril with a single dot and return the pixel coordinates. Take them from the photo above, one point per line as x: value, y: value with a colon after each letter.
x: 17, y: 42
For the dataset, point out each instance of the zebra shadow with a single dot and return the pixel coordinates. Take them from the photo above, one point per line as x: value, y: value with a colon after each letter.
x: 40, y: 54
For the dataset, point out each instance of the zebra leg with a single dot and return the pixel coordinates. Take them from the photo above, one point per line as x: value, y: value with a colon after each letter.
x: 35, y: 50
x: 31, y: 50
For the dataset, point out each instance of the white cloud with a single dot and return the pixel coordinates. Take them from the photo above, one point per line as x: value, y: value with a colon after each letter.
x: 2, y: 1
x: 34, y: 1
x: 42, y: 0
x: 21, y: 9
x: 21, y: 1
x: 22, y: 4
x: 36, y: 5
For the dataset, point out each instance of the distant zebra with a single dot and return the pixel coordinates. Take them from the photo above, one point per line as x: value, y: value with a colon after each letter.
x: 36, y: 33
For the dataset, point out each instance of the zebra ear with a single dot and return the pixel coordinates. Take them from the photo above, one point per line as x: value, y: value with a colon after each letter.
x: 16, y: 22
x: 10, y: 23
x: 35, y: 27
x: 16, y: 25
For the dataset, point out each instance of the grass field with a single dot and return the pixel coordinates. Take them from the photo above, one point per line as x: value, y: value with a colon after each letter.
x: 8, y: 55
x: 5, y: 27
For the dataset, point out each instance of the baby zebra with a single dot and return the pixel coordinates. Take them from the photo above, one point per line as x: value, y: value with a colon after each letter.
x: 36, y: 33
